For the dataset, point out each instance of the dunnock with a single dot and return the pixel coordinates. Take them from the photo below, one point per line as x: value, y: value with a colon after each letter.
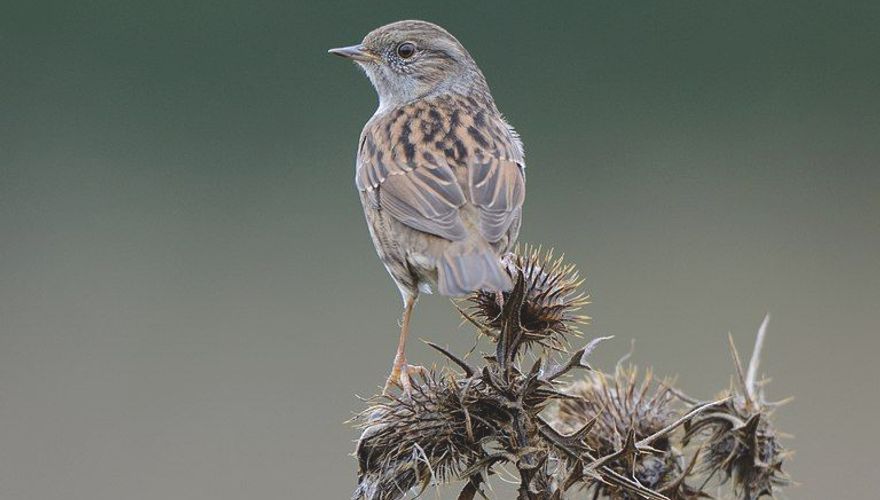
x: 440, y: 173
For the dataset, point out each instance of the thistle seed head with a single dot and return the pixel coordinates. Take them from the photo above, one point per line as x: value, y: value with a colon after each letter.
x: 430, y: 437
x: 625, y: 406
x: 740, y: 442
x: 552, y: 298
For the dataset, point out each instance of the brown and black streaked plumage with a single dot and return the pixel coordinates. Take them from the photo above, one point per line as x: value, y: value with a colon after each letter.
x: 440, y: 173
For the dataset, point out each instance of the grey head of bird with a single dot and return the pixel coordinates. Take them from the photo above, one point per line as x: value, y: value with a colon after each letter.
x: 411, y: 60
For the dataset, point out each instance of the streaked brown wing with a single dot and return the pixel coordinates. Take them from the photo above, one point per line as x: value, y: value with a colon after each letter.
x: 497, y: 187
x: 405, y: 165
x: 424, y: 196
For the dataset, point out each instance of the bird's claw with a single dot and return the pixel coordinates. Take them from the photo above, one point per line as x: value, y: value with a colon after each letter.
x: 402, y: 375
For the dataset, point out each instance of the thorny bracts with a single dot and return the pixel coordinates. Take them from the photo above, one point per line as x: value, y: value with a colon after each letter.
x: 614, y: 435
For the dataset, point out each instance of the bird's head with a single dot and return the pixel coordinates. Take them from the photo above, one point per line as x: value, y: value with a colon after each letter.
x: 409, y: 60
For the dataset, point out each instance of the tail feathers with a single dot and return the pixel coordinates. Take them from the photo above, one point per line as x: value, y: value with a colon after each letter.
x: 462, y: 273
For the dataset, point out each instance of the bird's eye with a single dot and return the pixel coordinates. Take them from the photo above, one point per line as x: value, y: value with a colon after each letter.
x: 406, y: 50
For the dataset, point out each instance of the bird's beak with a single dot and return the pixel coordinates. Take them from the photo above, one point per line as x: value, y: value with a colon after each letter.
x: 354, y: 52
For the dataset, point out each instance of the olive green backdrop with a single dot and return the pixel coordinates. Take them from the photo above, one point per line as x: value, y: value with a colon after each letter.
x: 189, y: 300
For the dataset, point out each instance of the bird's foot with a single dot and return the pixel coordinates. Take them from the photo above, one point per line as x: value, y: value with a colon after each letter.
x: 402, y: 375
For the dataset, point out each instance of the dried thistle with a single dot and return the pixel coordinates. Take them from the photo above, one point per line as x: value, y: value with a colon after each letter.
x: 552, y: 298
x: 459, y: 425
x: 621, y: 407
x: 616, y: 436
x: 738, y: 436
x: 464, y: 425
x: 428, y: 437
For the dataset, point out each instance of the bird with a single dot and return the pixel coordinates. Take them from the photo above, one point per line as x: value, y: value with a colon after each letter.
x: 439, y: 171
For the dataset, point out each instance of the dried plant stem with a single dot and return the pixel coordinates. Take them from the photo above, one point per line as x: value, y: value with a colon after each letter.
x: 564, y: 426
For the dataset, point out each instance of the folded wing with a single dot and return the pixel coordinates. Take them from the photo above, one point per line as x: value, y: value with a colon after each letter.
x: 497, y: 188
x: 408, y: 168
x: 426, y: 197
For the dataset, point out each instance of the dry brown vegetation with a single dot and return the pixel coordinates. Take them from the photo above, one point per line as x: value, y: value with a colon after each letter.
x: 561, y: 427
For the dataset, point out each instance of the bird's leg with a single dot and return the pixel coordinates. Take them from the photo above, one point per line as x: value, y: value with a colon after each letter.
x: 400, y: 370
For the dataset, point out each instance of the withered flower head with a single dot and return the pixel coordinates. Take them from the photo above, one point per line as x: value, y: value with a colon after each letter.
x: 462, y: 426
x: 456, y: 427
x: 743, y: 447
x: 738, y: 436
x: 623, y: 408
x: 617, y: 436
x: 414, y: 441
x: 552, y: 298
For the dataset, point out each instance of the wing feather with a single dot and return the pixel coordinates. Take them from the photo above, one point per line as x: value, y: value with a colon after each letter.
x: 407, y: 165
x: 426, y: 197
x: 497, y: 188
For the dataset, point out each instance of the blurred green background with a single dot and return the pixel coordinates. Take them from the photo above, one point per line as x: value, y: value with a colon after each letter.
x: 189, y: 299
